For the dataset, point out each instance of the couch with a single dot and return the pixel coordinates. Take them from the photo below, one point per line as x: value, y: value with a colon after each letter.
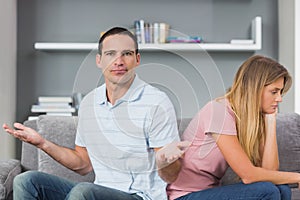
x: 62, y: 130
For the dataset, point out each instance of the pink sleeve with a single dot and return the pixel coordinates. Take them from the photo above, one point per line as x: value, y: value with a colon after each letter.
x: 218, y: 117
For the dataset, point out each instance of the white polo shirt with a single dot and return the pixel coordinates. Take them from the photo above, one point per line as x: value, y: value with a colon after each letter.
x: 120, y: 138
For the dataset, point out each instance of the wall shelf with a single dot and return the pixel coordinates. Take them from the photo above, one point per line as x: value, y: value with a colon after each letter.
x: 256, y: 36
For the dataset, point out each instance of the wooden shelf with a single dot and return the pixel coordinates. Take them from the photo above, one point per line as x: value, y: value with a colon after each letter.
x: 256, y: 36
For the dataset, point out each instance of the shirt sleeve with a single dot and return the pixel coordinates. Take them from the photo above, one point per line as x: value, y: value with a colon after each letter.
x: 163, y: 127
x: 218, y: 117
x: 78, y: 140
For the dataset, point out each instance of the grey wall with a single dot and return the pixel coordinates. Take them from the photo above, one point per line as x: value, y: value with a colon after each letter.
x: 190, y: 78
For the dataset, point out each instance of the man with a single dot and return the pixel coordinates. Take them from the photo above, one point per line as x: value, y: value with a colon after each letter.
x: 121, y: 125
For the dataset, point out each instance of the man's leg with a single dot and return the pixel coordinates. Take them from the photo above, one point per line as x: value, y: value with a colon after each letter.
x: 90, y: 191
x: 239, y: 191
x: 39, y: 185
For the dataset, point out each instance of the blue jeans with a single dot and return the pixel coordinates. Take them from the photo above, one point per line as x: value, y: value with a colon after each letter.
x: 240, y: 191
x: 38, y: 185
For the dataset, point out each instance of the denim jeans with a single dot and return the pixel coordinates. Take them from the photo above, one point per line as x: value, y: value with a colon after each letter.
x: 240, y: 191
x: 39, y: 185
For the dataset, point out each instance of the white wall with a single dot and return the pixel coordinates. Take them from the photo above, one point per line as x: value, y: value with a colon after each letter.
x: 8, y: 49
x: 297, y: 58
x: 289, y: 47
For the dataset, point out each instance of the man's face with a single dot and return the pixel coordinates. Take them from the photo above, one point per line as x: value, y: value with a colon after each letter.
x: 118, y: 59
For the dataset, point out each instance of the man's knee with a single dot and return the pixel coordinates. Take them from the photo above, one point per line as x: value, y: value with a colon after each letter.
x: 25, y: 178
x: 81, y: 190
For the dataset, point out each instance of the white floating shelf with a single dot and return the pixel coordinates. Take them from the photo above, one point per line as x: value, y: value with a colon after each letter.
x: 256, y: 36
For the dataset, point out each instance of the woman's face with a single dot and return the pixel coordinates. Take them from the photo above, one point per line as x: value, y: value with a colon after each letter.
x: 271, y: 96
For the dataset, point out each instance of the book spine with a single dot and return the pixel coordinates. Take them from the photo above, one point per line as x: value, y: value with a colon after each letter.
x: 156, y: 33
x: 164, y: 32
x: 55, y: 99
x: 46, y: 109
x: 147, y: 33
x: 142, y: 27
x: 137, y: 27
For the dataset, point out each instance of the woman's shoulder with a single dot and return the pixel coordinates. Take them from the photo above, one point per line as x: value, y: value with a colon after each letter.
x: 218, y: 103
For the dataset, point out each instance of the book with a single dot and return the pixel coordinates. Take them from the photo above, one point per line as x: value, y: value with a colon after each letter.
x: 156, y: 33
x: 137, y: 27
x: 163, y: 32
x: 47, y: 109
x: 56, y: 104
x: 147, y: 33
x: 65, y: 99
x: 184, y: 39
x: 142, y: 27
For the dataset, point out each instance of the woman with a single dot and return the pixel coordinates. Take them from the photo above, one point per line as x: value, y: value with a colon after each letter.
x: 238, y: 130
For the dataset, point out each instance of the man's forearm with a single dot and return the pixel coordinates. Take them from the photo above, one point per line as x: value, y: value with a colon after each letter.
x: 169, y: 173
x: 67, y: 157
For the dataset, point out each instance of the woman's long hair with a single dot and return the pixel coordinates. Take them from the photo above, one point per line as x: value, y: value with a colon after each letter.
x: 245, y: 98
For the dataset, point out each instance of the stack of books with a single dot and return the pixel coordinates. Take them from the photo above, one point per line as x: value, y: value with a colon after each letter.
x: 54, y: 105
x: 151, y: 32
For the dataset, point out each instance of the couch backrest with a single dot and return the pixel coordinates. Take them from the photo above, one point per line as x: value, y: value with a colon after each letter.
x: 60, y: 130
x: 29, y: 155
x: 288, y: 139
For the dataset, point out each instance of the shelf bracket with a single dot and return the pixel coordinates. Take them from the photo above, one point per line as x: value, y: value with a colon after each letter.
x: 256, y: 31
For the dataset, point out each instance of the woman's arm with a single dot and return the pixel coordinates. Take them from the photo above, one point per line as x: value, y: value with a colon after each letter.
x: 269, y: 150
x: 241, y: 165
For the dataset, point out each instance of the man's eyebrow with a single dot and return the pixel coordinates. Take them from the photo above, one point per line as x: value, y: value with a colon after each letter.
x: 109, y: 51
x: 123, y: 51
x: 128, y: 50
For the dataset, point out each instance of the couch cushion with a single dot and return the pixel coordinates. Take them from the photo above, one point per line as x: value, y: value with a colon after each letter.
x: 62, y: 131
x: 288, y: 139
x: 9, y: 169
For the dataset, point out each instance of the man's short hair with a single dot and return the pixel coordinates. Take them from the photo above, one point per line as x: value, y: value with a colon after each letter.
x: 117, y: 31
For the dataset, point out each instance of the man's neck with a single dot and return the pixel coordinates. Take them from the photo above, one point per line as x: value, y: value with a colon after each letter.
x: 115, y: 91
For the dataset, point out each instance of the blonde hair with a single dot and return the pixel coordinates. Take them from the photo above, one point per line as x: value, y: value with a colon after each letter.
x: 245, y: 98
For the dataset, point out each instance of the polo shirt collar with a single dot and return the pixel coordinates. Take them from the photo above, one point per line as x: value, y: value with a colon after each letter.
x: 134, y: 92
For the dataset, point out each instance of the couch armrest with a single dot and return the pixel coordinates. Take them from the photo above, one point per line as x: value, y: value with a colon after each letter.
x: 8, y: 170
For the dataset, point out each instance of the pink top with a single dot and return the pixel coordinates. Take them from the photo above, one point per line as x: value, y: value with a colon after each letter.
x: 204, y: 165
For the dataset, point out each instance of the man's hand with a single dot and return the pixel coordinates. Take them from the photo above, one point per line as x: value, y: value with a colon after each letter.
x: 25, y: 134
x: 170, y: 153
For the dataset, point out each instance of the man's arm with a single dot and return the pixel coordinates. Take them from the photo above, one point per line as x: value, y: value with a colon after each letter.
x: 168, y: 160
x: 76, y: 160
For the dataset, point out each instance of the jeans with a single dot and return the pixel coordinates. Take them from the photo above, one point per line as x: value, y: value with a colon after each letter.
x: 240, y: 191
x: 38, y: 185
